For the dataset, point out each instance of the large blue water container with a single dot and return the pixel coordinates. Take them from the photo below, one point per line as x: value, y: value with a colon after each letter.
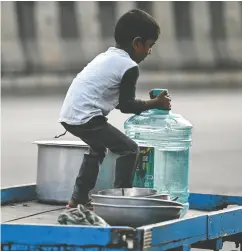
x: 165, y: 140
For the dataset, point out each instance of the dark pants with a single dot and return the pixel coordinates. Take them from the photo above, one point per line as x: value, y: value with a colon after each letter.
x: 100, y: 135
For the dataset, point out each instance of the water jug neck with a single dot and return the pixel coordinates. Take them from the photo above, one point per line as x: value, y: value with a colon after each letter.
x: 158, y: 111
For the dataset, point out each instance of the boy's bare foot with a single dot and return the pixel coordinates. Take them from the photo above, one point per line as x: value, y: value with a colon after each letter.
x: 73, y: 204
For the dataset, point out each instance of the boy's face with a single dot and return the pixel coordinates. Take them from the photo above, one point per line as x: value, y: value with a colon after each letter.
x: 141, y: 49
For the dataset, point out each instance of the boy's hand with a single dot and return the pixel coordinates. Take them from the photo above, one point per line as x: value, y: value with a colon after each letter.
x: 162, y: 101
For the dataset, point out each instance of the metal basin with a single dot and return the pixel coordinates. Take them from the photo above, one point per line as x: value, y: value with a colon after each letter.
x: 136, y: 216
x: 160, y: 196
x: 132, y: 192
x: 132, y: 201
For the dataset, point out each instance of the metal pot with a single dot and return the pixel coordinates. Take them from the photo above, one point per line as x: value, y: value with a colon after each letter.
x: 58, y: 165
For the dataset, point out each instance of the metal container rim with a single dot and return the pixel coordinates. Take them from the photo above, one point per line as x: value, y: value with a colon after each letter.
x: 59, y: 143
x: 134, y: 206
x: 135, y: 198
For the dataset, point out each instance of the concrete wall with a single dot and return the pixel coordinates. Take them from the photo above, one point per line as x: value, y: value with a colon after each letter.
x: 47, y: 37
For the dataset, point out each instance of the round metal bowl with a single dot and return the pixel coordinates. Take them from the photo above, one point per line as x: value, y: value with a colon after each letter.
x: 160, y: 196
x: 132, y: 201
x: 136, y: 216
x: 131, y: 192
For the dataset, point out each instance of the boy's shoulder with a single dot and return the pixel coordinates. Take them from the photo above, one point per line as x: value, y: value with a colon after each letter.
x: 121, y: 57
x: 114, y: 58
x: 114, y: 52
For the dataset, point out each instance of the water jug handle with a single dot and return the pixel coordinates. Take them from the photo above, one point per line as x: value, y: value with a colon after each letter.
x: 156, y: 92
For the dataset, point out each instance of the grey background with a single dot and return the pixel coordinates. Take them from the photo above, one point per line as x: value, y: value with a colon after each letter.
x: 43, y: 41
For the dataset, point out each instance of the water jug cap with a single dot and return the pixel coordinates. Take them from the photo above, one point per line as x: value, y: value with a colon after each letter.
x: 156, y: 92
x: 153, y: 94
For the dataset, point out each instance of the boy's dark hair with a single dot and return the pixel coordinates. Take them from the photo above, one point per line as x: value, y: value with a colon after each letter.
x: 135, y: 23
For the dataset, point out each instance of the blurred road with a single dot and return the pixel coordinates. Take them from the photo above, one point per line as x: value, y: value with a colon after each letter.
x: 216, y: 158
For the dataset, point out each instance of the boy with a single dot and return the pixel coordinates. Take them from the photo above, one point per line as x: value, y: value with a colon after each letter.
x: 108, y: 82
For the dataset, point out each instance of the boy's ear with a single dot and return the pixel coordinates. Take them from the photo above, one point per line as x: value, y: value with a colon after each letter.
x: 136, y: 42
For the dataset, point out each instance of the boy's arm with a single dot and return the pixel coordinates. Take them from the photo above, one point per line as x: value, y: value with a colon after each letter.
x: 127, y: 101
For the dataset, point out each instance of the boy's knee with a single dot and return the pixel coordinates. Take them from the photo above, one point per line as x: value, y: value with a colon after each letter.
x: 135, y: 149
x: 130, y: 148
x: 99, y: 152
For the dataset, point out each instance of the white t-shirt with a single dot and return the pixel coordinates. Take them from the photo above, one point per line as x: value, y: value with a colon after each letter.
x: 95, y: 90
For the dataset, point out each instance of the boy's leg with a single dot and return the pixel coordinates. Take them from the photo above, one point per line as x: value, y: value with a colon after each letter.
x: 101, y: 135
x: 88, y: 173
x: 107, y: 136
x: 127, y: 161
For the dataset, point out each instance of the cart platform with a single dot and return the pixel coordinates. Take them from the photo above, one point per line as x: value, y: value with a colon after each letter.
x: 29, y: 225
